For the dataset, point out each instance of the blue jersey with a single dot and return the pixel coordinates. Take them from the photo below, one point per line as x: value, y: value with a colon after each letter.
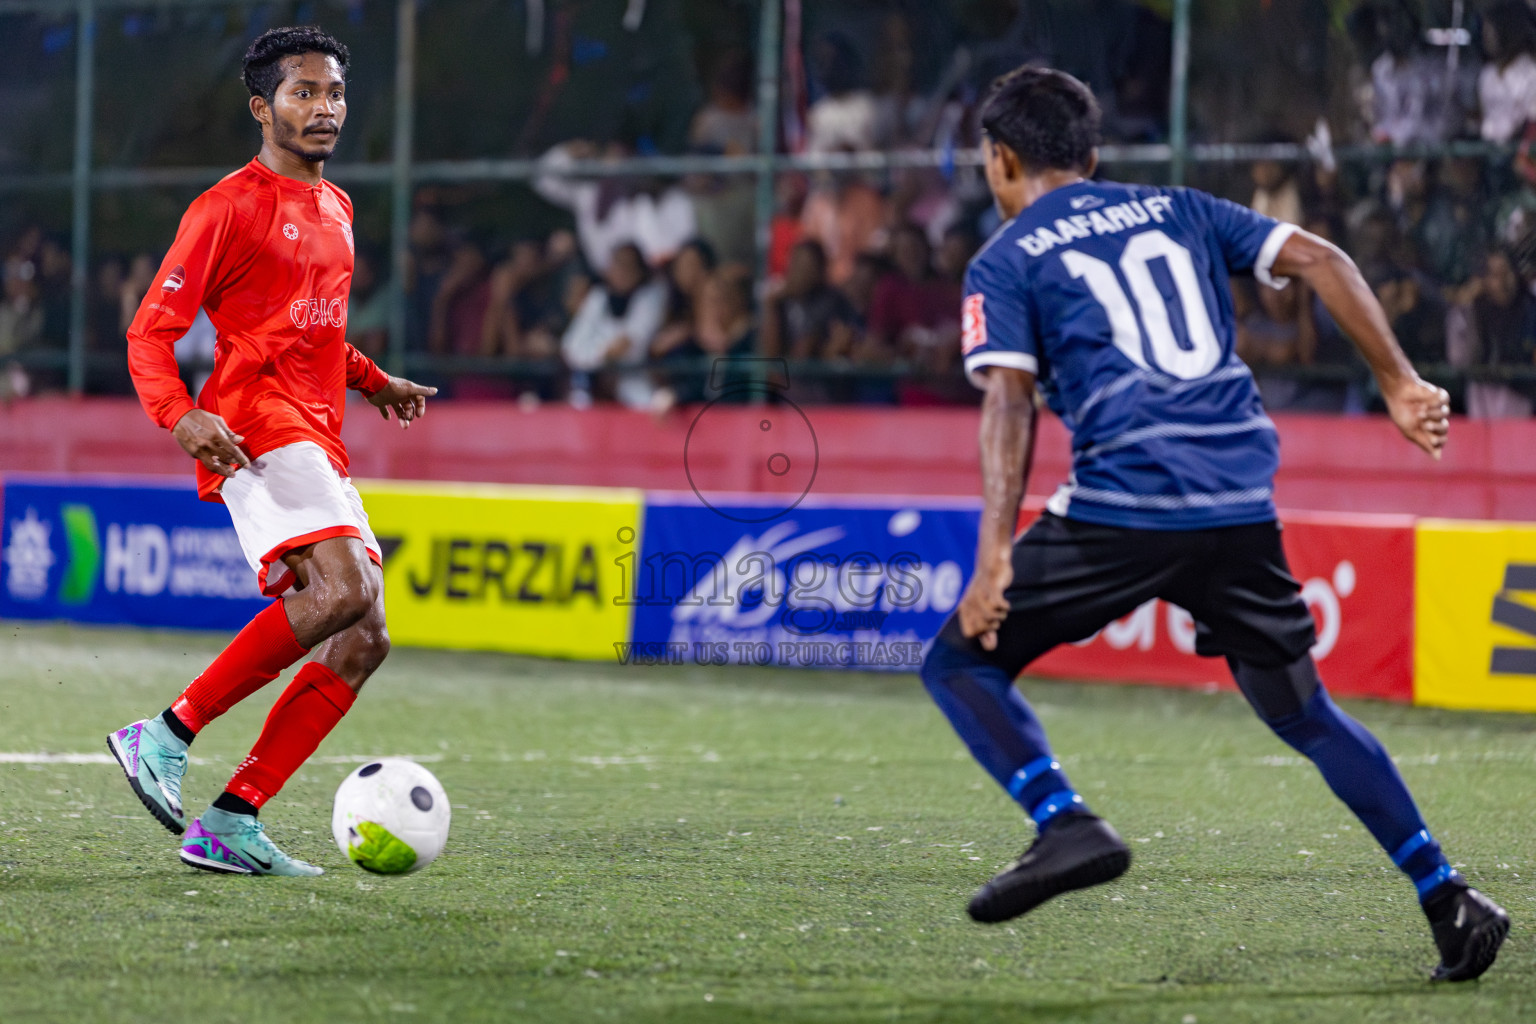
x: 1116, y: 298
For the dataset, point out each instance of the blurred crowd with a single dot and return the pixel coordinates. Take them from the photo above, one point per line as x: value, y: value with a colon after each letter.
x: 1447, y: 244
x: 638, y: 315
x: 643, y: 283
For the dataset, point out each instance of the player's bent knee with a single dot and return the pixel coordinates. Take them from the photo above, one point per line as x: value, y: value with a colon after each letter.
x: 356, y: 653
x: 1292, y: 701
x: 370, y: 636
x: 348, y: 595
x: 1277, y: 693
x: 364, y: 659
x: 944, y: 664
x: 352, y: 606
x: 376, y: 647
x: 937, y: 663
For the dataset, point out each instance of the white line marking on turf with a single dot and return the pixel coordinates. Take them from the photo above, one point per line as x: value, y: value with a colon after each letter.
x: 57, y: 759
x: 365, y: 758
x: 106, y: 758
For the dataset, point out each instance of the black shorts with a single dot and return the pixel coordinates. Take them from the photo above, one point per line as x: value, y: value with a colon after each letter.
x: 1071, y: 579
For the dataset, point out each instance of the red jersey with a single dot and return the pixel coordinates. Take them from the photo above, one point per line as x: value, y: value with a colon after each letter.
x: 269, y: 258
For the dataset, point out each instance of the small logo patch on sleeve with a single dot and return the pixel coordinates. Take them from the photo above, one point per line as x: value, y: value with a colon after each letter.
x: 973, y: 324
x: 174, y: 280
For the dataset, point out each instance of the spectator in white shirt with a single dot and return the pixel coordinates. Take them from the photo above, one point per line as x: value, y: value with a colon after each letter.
x: 612, y: 211
x: 846, y: 116
x: 1416, y: 99
x: 1506, y: 87
x: 615, y: 325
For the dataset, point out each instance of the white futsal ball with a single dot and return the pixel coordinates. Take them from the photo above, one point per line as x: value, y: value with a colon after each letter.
x: 391, y: 816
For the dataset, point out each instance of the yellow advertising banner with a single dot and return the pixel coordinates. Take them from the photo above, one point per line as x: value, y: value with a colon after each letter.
x: 1475, y: 615
x: 528, y: 570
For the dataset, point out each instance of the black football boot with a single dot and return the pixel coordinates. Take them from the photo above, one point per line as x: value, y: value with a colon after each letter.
x: 1075, y: 852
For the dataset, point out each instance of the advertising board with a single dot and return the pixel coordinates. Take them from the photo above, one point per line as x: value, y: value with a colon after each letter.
x: 531, y: 570
x: 825, y: 585
x: 1475, y: 615
x: 109, y: 550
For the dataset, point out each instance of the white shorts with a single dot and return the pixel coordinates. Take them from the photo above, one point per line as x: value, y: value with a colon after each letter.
x: 290, y: 498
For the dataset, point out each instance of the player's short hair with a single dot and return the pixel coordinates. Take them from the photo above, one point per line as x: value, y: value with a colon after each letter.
x: 263, y: 72
x: 1047, y: 117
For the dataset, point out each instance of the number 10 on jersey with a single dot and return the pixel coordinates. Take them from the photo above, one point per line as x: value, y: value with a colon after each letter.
x: 1194, y: 355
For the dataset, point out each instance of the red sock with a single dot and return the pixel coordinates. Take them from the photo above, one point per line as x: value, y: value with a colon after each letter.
x: 303, y: 716
x: 253, y: 659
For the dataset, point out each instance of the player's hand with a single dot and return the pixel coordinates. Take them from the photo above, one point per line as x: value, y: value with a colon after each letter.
x: 208, y: 439
x: 983, y: 608
x: 406, y: 398
x: 1422, y: 412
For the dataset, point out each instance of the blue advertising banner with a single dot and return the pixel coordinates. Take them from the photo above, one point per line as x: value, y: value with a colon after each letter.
x: 133, y: 553
x: 822, y: 585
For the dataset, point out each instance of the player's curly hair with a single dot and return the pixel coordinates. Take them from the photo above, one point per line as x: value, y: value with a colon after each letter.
x: 263, y: 73
x: 1047, y: 117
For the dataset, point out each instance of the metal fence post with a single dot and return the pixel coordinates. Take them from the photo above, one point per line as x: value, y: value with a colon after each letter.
x: 80, y: 235
x: 400, y: 179
x: 768, y: 61
x: 1178, y: 94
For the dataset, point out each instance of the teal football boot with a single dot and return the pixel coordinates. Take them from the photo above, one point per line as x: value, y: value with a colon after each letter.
x: 237, y: 844
x: 154, y: 759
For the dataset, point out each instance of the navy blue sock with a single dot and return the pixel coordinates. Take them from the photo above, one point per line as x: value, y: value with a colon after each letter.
x: 1358, y: 770
x: 1001, y: 729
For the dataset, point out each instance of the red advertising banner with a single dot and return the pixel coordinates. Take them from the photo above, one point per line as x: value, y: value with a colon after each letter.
x: 1356, y: 574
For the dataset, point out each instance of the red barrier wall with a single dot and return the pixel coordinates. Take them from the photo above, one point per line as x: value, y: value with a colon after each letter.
x: 1329, y: 463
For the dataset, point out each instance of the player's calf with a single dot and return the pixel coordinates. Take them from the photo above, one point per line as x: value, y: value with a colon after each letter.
x: 1075, y: 849
x: 312, y: 705
x: 1468, y: 927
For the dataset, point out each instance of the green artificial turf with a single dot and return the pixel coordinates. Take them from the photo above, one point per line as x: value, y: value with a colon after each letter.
x: 692, y: 844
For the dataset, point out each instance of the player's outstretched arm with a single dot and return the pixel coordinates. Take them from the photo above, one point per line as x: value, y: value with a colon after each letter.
x: 406, y: 398
x: 1420, y: 409
x: 1007, y: 438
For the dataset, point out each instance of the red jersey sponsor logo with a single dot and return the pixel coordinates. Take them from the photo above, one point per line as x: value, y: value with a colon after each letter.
x: 174, y: 280
x: 973, y: 324
x: 290, y: 231
x: 318, y: 313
